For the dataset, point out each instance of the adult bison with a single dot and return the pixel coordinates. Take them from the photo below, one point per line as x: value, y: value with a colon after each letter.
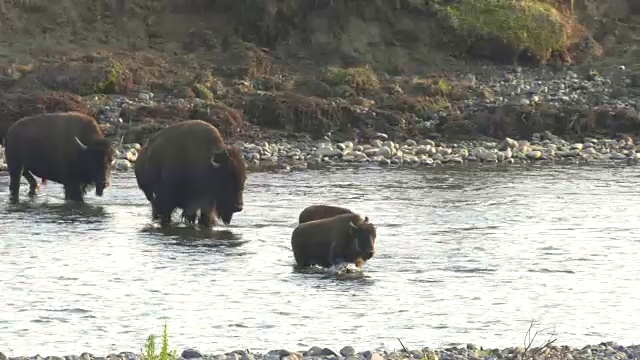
x: 330, y: 241
x: 64, y: 147
x: 188, y: 166
x: 317, y: 212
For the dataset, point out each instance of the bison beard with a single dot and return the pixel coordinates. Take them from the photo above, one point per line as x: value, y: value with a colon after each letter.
x: 93, y: 174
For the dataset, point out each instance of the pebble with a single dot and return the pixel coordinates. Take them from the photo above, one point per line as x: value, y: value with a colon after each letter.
x: 606, y: 351
x: 415, y: 152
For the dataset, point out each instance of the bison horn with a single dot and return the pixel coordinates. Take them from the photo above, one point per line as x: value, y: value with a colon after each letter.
x: 223, y: 153
x: 366, y: 219
x: 352, y: 225
x: 214, y: 164
x: 82, y: 146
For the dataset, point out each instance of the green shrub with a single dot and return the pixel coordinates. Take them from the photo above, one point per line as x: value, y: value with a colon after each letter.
x: 115, y: 80
x: 149, y: 352
x: 525, y: 24
x: 202, y: 92
x: 361, y: 79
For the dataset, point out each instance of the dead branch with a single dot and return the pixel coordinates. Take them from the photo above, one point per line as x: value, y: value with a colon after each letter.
x: 531, y: 353
x: 403, y: 347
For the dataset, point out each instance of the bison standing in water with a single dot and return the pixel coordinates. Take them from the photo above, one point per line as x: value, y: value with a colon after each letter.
x: 188, y: 166
x: 331, y: 241
x: 317, y: 212
x: 67, y: 148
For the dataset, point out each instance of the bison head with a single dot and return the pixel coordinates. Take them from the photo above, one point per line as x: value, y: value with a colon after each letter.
x: 96, y: 161
x: 231, y: 174
x: 364, y: 236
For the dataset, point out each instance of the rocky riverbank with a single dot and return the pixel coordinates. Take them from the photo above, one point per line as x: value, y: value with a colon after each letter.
x: 515, y: 116
x: 493, y: 102
x: 605, y: 351
x: 543, y: 148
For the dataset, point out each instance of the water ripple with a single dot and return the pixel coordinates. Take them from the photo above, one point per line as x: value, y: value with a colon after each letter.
x: 465, y: 255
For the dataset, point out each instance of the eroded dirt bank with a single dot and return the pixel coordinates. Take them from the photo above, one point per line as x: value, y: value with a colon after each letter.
x: 343, y: 69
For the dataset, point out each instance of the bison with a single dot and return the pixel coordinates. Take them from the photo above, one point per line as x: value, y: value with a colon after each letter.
x: 331, y: 241
x: 188, y: 166
x: 65, y: 147
x: 317, y: 212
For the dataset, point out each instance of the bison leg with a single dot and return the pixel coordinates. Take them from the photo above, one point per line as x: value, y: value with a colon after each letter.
x: 154, y: 209
x: 33, y: 183
x: 165, y: 206
x: 74, y: 192
x: 165, y: 214
x: 15, y: 174
x: 207, y: 217
x: 189, y: 218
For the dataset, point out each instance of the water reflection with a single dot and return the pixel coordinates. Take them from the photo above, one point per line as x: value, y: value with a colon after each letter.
x: 195, y: 236
x: 59, y: 213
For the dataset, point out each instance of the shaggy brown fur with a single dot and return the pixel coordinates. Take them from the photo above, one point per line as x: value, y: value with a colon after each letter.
x: 66, y: 147
x: 188, y: 166
x: 317, y: 212
x: 330, y: 241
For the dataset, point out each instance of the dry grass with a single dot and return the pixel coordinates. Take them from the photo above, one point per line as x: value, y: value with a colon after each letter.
x: 15, y: 106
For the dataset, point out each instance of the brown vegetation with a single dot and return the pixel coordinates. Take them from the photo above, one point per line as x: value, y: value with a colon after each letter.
x: 311, y: 67
x: 16, y: 106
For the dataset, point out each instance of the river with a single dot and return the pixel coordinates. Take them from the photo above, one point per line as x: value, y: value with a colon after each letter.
x: 465, y: 255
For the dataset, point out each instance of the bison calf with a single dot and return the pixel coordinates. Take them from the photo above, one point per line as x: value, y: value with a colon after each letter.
x: 330, y: 241
x: 67, y: 148
x: 317, y: 212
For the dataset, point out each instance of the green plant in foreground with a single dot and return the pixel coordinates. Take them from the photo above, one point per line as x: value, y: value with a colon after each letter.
x: 149, y: 352
x: 429, y: 356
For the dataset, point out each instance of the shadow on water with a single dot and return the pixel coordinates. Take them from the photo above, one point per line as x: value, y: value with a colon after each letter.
x: 337, y: 274
x: 60, y: 213
x: 195, y: 236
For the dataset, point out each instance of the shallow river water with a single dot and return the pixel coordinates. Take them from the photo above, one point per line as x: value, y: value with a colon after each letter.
x: 465, y: 255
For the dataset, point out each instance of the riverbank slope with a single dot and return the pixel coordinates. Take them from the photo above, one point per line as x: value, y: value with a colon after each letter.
x: 343, y: 69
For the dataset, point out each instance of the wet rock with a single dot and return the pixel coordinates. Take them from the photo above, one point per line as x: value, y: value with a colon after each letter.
x: 347, y: 351
x: 488, y: 157
x: 191, y: 354
x: 385, y: 152
x: 328, y: 151
x: 122, y: 165
x: 127, y: 355
x: 246, y: 356
x: 534, y: 154
x: 507, y: 143
x: 618, y: 156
